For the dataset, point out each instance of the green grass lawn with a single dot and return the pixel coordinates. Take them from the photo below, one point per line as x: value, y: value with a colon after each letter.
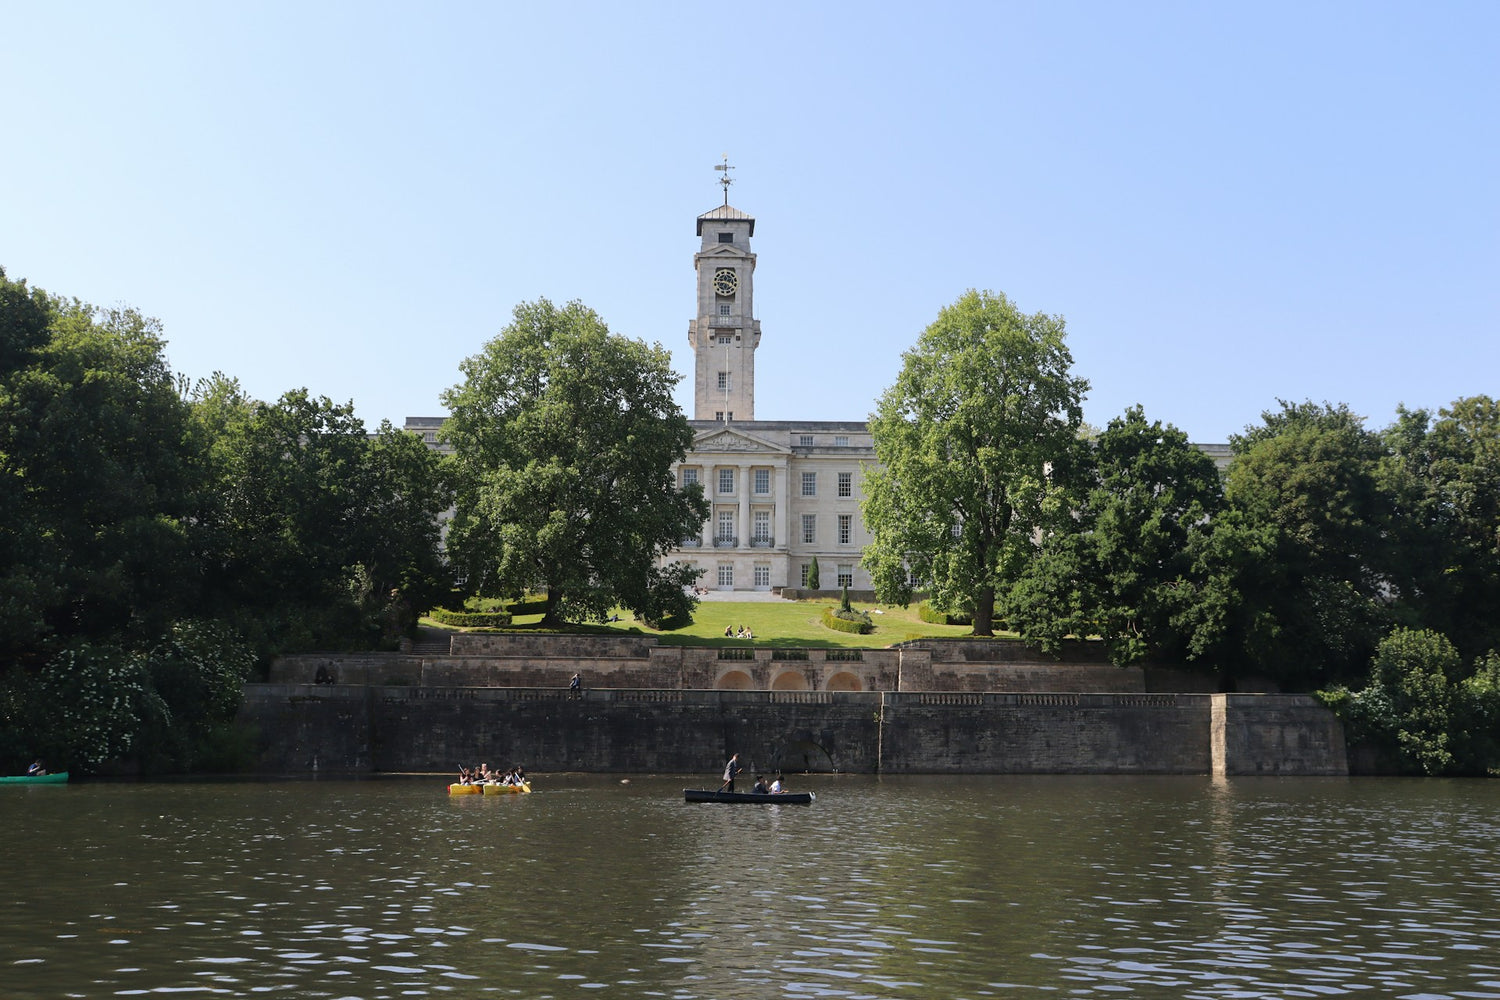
x: 778, y: 623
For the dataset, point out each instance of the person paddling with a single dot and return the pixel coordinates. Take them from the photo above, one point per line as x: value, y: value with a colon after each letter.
x: 731, y: 771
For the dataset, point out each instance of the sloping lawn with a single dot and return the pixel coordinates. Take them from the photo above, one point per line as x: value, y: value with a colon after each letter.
x: 777, y: 623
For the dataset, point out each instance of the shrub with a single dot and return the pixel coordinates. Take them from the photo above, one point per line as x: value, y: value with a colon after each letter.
x: 470, y: 619
x: 933, y: 616
x: 857, y: 622
x: 812, y: 574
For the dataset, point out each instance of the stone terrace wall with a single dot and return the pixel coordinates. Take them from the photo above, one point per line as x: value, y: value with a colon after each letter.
x: 305, y: 728
x: 542, y: 661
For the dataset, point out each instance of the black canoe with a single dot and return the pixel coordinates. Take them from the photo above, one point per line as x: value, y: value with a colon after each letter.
x: 761, y: 798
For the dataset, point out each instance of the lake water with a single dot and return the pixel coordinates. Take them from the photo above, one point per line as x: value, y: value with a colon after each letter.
x: 912, y: 887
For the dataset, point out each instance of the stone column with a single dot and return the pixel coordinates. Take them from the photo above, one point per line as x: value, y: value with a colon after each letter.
x: 744, y: 531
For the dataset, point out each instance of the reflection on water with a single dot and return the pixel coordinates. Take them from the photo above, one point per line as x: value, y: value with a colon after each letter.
x: 906, y: 887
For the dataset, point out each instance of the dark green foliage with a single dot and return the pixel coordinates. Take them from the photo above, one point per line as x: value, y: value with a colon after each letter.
x: 1122, y: 568
x: 848, y: 620
x: 564, y: 438
x: 814, y: 580
x: 470, y: 619
x: 1290, y: 582
x: 1420, y: 711
x: 151, y: 533
x: 928, y: 613
x: 983, y: 406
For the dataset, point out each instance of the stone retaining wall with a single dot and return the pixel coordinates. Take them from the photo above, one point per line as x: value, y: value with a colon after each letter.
x: 303, y: 728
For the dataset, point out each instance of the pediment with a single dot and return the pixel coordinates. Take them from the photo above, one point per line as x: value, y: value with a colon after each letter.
x: 730, y: 439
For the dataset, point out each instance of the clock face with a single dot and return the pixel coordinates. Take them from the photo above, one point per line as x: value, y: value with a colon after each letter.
x: 725, y: 282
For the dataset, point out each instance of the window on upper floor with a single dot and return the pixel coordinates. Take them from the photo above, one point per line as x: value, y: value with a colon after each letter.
x: 809, y: 528
x: 806, y: 440
x: 726, y: 480
x: 840, y: 441
x: 726, y: 382
x: 846, y: 574
x: 689, y: 476
x: 726, y: 338
x: 809, y: 484
x: 724, y: 308
x: 846, y: 528
x: 762, y: 481
x: 846, y: 484
x: 726, y: 237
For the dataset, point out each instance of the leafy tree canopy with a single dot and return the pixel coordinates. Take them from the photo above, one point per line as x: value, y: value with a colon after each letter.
x: 1120, y: 570
x: 983, y: 406
x: 564, y: 439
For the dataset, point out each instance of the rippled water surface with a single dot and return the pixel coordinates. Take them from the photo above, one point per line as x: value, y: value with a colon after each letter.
x: 908, y: 887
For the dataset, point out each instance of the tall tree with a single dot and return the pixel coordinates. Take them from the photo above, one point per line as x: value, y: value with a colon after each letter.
x: 1295, y: 574
x: 1118, y: 570
x: 564, y: 440
x: 1443, y: 478
x: 984, y: 403
x: 94, y: 472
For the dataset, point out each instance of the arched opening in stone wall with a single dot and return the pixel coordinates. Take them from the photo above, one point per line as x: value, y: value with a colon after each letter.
x: 844, y: 681
x: 734, y: 680
x: 792, y: 680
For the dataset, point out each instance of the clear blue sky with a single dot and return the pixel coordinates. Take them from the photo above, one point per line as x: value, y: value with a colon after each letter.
x: 1229, y: 203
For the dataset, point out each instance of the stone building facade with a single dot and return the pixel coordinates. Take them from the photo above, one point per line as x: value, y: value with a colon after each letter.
x: 783, y: 493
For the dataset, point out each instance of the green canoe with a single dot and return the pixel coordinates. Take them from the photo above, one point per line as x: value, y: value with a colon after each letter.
x: 60, y: 778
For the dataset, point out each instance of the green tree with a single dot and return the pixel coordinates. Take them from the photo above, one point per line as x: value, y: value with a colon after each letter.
x: 984, y: 403
x: 1119, y: 569
x: 814, y: 578
x: 1443, y: 478
x: 564, y: 439
x: 1407, y: 706
x: 95, y: 474
x: 1292, y: 582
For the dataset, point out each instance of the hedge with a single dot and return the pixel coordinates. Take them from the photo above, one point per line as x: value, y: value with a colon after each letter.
x: 470, y: 619
x: 858, y: 622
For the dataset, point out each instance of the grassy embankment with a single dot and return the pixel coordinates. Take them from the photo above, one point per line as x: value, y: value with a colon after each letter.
x: 777, y: 623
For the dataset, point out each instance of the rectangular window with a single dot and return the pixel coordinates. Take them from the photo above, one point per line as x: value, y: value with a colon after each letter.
x: 840, y: 441
x: 957, y: 531
x: 809, y: 528
x: 689, y: 477
x: 809, y: 484
x: 725, y: 382
x: 806, y: 440
x: 718, y: 414
x: 846, y: 484
x: 726, y: 338
x: 806, y: 569
x: 846, y: 528
x: 726, y: 237
x: 725, y: 532
x: 762, y: 530
x: 726, y: 575
x: 762, y: 574
x: 846, y: 574
x: 762, y: 482
x: 724, y: 310
x: 726, y: 480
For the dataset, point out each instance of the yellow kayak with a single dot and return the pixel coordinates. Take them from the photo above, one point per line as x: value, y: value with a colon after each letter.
x: 524, y: 788
x: 458, y: 788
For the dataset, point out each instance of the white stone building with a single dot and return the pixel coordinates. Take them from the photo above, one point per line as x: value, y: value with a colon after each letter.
x: 783, y: 492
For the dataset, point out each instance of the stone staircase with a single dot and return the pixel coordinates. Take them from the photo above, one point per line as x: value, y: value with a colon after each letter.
x: 431, y: 642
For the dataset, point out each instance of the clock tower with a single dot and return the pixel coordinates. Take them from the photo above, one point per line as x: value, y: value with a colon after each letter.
x: 725, y: 333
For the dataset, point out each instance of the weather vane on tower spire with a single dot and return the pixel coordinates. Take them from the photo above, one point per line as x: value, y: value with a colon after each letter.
x: 726, y: 180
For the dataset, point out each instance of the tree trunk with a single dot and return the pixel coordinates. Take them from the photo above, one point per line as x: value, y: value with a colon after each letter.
x: 550, y: 616
x: 984, y: 612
